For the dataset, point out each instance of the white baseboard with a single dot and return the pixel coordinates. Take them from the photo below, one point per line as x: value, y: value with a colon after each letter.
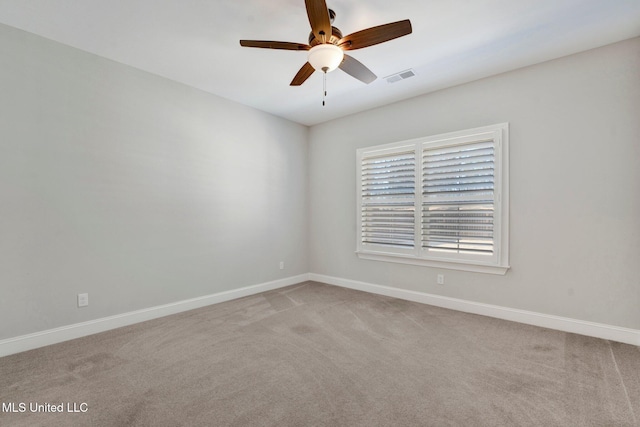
x: 78, y: 330
x: 597, y: 330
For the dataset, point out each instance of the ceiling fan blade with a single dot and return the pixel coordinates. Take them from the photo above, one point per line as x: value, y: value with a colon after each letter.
x: 356, y: 69
x: 319, y: 19
x: 304, y: 73
x: 375, y: 35
x: 274, y: 45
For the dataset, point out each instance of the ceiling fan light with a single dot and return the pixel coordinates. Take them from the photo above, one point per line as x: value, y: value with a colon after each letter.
x: 325, y: 57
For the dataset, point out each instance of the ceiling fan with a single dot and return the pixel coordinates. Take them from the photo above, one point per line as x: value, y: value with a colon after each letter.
x: 327, y: 45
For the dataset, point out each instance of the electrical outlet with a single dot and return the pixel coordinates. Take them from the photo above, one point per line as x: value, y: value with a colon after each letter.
x: 83, y: 300
x: 440, y: 279
x: 281, y: 265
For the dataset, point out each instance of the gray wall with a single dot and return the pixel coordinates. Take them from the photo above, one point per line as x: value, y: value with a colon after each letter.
x: 141, y: 191
x: 575, y: 186
x: 135, y: 189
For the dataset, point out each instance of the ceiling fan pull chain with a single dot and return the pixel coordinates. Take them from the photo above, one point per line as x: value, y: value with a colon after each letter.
x: 324, y: 87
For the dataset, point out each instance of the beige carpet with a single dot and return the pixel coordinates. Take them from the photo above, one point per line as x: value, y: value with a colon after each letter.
x: 319, y: 355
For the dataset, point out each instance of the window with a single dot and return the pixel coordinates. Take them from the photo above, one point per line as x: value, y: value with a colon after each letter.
x: 439, y: 201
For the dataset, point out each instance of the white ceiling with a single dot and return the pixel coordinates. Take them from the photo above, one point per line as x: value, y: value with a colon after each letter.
x: 196, y: 42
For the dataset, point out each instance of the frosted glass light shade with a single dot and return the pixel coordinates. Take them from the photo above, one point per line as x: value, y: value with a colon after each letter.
x: 327, y: 56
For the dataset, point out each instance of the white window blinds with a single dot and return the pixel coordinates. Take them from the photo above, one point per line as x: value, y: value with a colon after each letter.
x: 388, y: 199
x: 438, y: 201
x: 458, y: 198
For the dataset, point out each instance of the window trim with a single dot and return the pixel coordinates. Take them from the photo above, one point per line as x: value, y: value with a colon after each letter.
x: 499, y: 133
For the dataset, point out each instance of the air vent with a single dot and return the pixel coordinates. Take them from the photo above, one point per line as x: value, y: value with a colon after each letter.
x: 400, y: 76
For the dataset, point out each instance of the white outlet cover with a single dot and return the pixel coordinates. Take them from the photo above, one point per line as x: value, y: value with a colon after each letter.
x: 83, y: 300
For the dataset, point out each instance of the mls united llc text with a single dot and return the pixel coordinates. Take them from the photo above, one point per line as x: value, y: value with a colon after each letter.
x: 68, y: 407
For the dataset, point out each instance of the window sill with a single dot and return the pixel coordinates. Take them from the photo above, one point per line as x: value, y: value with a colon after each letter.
x: 408, y: 259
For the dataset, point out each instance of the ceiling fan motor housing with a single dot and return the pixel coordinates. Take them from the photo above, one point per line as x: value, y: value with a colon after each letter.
x: 336, y: 35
